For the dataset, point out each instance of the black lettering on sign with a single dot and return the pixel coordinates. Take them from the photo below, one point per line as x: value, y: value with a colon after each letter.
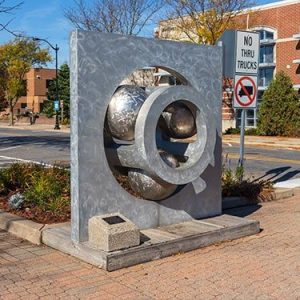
x: 248, y: 40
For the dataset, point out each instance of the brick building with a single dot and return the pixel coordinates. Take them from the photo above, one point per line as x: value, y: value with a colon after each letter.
x: 37, y: 82
x: 279, y: 26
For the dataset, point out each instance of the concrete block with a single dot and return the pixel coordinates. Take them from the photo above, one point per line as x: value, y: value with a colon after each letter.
x: 113, y: 232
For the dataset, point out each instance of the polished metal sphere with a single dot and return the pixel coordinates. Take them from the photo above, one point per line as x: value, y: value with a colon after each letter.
x: 123, y: 110
x: 149, y: 187
x: 179, y: 121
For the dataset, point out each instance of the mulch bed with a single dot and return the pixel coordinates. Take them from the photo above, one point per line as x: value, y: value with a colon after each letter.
x: 34, y: 213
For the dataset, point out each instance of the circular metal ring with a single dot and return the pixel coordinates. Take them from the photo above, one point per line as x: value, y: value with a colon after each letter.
x: 200, y: 152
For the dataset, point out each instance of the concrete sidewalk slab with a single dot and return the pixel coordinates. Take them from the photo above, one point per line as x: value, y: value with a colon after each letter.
x: 264, y: 141
x: 36, y: 127
x: 289, y: 184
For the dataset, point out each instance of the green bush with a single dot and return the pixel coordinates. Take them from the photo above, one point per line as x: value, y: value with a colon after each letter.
x: 234, y: 184
x: 279, y: 113
x: 48, y: 109
x: 232, y: 130
x: 43, y: 187
x: 49, y: 191
x: 17, y: 177
x: 249, y: 131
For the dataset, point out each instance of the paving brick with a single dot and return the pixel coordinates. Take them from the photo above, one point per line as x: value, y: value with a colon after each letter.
x: 264, y: 266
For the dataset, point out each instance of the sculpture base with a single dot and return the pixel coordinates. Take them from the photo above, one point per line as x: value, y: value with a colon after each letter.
x: 155, y: 243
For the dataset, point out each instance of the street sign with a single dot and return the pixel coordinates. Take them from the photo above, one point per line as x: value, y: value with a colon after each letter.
x: 247, y: 52
x: 245, y: 91
x: 56, y: 105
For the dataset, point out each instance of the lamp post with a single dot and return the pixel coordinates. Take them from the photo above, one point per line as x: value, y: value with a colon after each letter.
x: 56, y: 76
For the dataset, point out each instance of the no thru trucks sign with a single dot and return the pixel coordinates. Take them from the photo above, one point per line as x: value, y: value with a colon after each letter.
x: 247, y: 52
x: 245, y: 91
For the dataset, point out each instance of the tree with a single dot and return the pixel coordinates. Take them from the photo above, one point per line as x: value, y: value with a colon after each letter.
x: 16, y: 59
x: 201, y: 21
x: 279, y: 113
x: 115, y: 16
x: 63, y: 90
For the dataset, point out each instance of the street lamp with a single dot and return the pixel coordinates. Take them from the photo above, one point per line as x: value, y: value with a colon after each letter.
x: 56, y: 74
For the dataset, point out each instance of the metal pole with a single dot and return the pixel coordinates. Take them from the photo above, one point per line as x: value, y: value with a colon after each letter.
x: 56, y: 88
x: 242, y: 139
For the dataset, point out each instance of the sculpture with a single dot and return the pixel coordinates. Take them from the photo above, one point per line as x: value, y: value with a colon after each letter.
x: 182, y: 176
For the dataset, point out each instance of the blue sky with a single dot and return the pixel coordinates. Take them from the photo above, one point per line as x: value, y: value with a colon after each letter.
x: 45, y: 19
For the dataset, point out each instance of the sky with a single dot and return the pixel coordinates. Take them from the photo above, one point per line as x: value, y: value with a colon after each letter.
x: 45, y: 19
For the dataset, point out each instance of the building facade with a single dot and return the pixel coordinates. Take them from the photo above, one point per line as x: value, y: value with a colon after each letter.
x: 37, y: 83
x: 278, y: 24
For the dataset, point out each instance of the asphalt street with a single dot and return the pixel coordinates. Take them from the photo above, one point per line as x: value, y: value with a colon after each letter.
x: 54, y: 147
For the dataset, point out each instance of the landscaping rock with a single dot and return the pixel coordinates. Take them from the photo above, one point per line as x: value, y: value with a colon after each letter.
x: 16, y: 201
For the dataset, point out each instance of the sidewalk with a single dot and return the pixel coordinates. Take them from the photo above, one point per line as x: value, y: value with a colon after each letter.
x: 264, y: 266
x: 37, y: 127
x: 264, y: 141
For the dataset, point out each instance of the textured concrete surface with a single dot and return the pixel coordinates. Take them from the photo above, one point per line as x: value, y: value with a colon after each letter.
x: 113, y: 232
x: 264, y: 266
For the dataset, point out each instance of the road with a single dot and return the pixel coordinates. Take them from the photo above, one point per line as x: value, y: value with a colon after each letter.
x: 52, y: 147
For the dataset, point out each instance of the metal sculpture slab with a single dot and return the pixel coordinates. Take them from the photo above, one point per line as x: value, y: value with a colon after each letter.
x: 144, y: 134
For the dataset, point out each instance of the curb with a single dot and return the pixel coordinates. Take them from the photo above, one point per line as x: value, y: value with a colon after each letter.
x: 23, y: 228
x: 278, y: 194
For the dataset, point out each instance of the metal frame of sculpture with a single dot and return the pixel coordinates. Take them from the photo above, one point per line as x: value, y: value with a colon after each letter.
x: 190, y: 189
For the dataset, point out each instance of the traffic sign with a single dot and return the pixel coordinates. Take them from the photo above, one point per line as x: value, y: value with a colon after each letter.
x: 247, y: 52
x: 245, y: 91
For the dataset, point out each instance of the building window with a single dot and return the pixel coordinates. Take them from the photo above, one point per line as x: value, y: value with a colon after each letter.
x: 266, y: 54
x: 265, y: 76
x: 266, y: 35
x: 48, y: 82
x: 250, y: 120
x: 23, y: 105
x: 24, y: 94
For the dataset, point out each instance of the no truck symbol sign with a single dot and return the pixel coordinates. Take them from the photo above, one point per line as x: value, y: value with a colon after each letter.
x: 245, y: 91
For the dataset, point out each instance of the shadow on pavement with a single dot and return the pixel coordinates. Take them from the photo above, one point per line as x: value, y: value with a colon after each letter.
x: 60, y: 142
x: 242, y: 211
x: 287, y: 176
x: 275, y: 172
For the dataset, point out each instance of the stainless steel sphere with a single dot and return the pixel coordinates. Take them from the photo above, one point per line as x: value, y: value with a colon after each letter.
x: 123, y: 110
x: 179, y: 121
x: 149, y: 187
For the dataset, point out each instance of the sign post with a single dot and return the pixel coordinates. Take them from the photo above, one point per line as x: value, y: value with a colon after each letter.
x: 245, y: 81
x: 241, y: 62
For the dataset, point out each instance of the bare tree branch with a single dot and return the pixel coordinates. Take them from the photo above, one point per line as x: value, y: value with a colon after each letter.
x: 5, y: 8
x: 118, y: 16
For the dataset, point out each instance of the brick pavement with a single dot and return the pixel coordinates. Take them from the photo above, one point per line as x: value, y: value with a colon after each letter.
x: 264, y: 266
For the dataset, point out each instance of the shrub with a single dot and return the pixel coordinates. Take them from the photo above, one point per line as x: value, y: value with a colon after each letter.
x: 279, y: 113
x: 43, y: 187
x: 232, y: 131
x: 249, y: 131
x: 234, y: 184
x: 17, y: 177
x: 48, y: 193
